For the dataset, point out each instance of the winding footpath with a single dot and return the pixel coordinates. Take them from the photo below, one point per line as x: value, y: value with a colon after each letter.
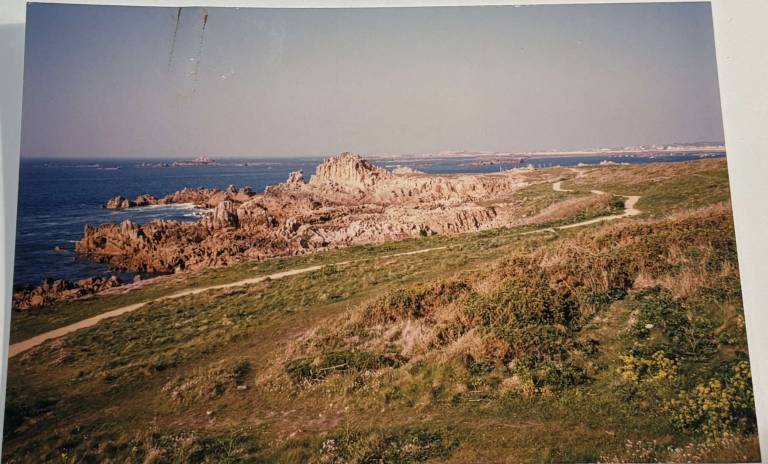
x: 20, y: 347
x: 29, y: 343
x: 629, y: 207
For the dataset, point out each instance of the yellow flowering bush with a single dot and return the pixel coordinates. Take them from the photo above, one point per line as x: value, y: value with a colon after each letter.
x: 717, y: 406
x: 656, y: 369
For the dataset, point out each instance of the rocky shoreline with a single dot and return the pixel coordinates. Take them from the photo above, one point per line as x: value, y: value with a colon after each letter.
x: 51, y: 291
x: 202, y: 197
x: 348, y: 201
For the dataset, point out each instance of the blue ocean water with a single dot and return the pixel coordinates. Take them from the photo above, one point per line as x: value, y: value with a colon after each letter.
x: 57, y: 198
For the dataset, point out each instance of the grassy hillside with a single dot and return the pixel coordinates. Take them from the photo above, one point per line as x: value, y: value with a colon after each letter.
x: 620, y: 341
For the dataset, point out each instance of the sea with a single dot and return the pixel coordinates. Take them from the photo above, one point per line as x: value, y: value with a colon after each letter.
x: 57, y: 198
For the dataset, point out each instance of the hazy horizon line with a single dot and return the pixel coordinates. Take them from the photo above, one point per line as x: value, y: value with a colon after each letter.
x: 441, y: 152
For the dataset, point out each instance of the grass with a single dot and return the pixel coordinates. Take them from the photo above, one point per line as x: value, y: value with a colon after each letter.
x: 163, y: 339
x: 665, y: 188
x: 26, y: 324
x: 503, y: 348
x: 537, y: 197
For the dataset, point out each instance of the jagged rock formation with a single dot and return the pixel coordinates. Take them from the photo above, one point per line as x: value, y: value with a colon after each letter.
x: 296, y: 177
x: 202, y: 197
x: 222, y: 217
x: 51, y: 290
x: 348, y: 171
x: 348, y: 201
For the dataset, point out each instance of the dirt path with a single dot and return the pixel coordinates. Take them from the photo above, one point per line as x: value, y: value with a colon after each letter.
x: 29, y: 343
x: 16, y: 348
x: 629, y: 208
x: 558, y: 187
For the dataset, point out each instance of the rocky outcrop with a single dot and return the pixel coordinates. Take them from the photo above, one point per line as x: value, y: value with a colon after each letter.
x: 348, y: 201
x: 201, y: 197
x: 119, y: 202
x: 223, y: 216
x: 145, y: 200
x: 296, y: 178
x: 349, y: 171
x: 50, y: 291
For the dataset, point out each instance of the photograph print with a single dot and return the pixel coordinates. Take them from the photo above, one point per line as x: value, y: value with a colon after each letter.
x: 486, y: 234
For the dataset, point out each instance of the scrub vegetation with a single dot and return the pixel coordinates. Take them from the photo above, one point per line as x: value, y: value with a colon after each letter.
x: 620, y: 341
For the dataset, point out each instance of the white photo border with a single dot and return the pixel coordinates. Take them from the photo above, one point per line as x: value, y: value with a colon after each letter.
x: 741, y: 39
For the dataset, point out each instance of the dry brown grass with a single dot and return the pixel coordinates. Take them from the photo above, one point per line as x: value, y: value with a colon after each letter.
x: 642, y: 173
x: 688, y: 282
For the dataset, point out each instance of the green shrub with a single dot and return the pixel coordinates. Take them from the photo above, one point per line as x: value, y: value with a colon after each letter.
x: 241, y: 370
x: 530, y: 345
x: 669, y: 324
x: 413, y: 303
x: 557, y: 375
x: 527, y: 301
x: 718, y: 406
x: 734, y: 335
x: 478, y: 367
x: 656, y: 369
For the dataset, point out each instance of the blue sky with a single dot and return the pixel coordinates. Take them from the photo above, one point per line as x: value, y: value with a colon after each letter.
x: 107, y: 81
